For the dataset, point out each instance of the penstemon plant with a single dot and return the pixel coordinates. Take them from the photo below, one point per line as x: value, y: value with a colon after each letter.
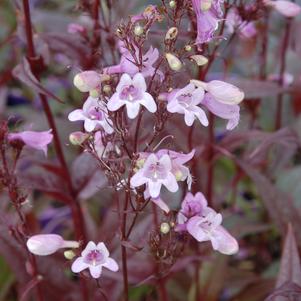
x: 146, y: 139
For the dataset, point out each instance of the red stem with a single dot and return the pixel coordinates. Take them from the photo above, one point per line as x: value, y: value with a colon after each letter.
x: 285, y: 44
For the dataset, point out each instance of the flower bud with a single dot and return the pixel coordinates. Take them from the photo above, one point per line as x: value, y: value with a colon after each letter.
x: 206, y: 5
x: 87, y: 81
x: 47, y: 244
x: 171, y: 33
x: 173, y: 62
x: 69, y: 254
x: 77, y: 138
x: 94, y: 93
x: 107, y: 89
x: 164, y: 228
x: 138, y: 30
x: 223, y: 92
x: 188, y: 48
x: 199, y: 59
x: 172, y: 4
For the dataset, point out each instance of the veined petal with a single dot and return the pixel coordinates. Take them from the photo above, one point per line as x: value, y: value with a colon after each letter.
x: 125, y: 80
x: 102, y: 247
x: 194, y: 229
x: 115, y: 102
x: 139, y: 82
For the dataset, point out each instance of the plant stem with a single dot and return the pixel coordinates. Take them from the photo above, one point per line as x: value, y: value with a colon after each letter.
x: 123, y: 249
x: 285, y: 44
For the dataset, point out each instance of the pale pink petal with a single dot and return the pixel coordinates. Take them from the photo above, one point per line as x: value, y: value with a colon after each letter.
x: 111, y: 264
x: 149, y: 102
x: 115, y: 102
x: 132, y: 109
x: 287, y: 8
x: 171, y: 183
x: 139, y: 82
x: 125, y: 80
x: 195, y: 230
x: 223, y: 241
x: 90, y: 125
x: 78, y: 265
x: 159, y: 202
x: 197, y: 95
x: 189, y: 118
x: 154, y: 188
x: 166, y: 162
x: 138, y: 179
x: 89, y: 247
x: 102, y: 247
x: 95, y: 271
x: 76, y: 115
x: 90, y: 102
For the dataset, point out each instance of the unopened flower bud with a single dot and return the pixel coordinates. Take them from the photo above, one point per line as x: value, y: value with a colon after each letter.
x: 173, y: 62
x: 178, y: 175
x: 138, y: 30
x: 140, y: 163
x: 69, y: 254
x: 206, y: 5
x: 87, y: 81
x: 77, y: 138
x: 164, y: 228
x: 171, y: 33
x: 188, y: 48
x: 47, y: 244
x: 199, y: 59
x: 172, y: 4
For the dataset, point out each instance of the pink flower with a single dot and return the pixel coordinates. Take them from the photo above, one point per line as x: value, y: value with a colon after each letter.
x: 75, y: 28
x: 286, y: 8
x: 158, y: 201
x: 208, y: 14
x: 47, y: 244
x: 132, y: 93
x: 127, y: 63
x: 229, y: 112
x: 234, y: 23
x: 37, y: 140
x: 185, y: 101
x: 93, y: 114
x: 94, y: 257
x: 155, y: 173
x: 204, y: 224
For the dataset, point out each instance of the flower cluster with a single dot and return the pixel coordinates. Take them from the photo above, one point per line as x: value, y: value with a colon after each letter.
x: 204, y: 224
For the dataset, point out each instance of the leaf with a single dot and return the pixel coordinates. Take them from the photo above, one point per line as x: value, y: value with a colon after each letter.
x: 24, y: 74
x: 290, y: 268
x: 87, y: 176
x: 278, y: 204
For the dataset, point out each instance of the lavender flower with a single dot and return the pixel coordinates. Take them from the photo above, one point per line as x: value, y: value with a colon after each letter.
x: 185, y: 101
x: 36, y: 140
x: 94, y: 257
x: 204, y: 224
x: 93, y: 114
x: 132, y: 93
x: 286, y: 8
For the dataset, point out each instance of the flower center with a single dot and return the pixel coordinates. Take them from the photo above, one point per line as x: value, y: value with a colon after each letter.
x: 156, y: 172
x: 94, y: 257
x: 130, y: 93
x: 95, y: 113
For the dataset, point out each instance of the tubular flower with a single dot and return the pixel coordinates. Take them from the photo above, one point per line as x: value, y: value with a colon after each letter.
x: 204, y: 224
x: 127, y: 63
x: 286, y: 8
x: 208, y: 14
x: 36, y: 140
x: 94, y: 257
x: 131, y: 92
x: 47, y: 244
x: 185, y: 101
x: 93, y: 114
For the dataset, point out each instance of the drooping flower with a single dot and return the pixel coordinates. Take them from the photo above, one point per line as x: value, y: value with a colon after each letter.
x: 286, y: 8
x: 157, y: 200
x: 93, y: 114
x: 87, y: 80
x: 156, y: 172
x: 127, y: 63
x: 47, y: 244
x: 234, y: 23
x: 185, y: 101
x: 208, y: 14
x: 36, y: 140
x: 131, y: 92
x: 94, y: 257
x: 204, y: 224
